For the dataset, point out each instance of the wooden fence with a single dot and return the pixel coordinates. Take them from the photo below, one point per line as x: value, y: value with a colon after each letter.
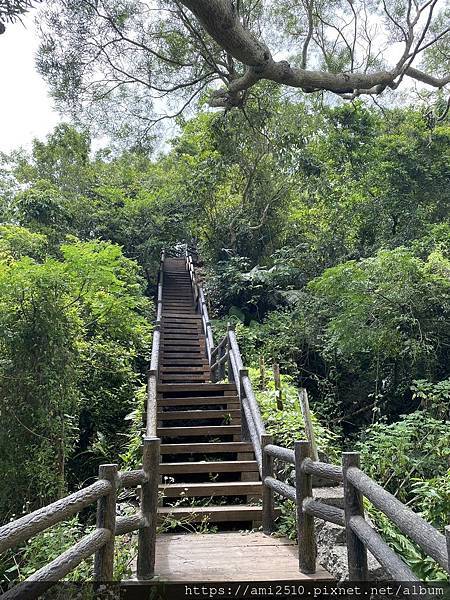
x: 152, y: 374
x: 360, y: 535
x: 226, y: 364
x: 101, y: 541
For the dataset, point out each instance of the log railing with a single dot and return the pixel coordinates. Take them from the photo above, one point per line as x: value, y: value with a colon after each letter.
x: 226, y: 364
x: 152, y: 374
x: 100, y: 542
x: 360, y: 535
x: 200, y: 304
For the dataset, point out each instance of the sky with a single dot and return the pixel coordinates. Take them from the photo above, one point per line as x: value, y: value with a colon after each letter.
x: 25, y: 106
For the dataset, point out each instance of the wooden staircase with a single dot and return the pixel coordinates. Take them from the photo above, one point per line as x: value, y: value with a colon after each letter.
x: 199, y: 422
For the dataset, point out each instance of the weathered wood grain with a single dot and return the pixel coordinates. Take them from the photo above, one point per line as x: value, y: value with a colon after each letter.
x: 106, y: 519
x: 353, y: 507
x: 281, y: 488
x: 393, y: 564
x: 18, y: 531
x: 281, y: 453
x: 306, y: 535
x: 267, y: 471
x: 131, y: 479
x: 321, y: 469
x: 329, y: 513
x: 149, y: 506
x: 129, y: 523
x: 410, y: 523
x: 47, y: 576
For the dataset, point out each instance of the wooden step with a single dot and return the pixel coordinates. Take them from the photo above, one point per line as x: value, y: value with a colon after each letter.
x: 206, y: 448
x: 192, y: 378
x: 181, y: 324
x: 171, y: 353
x: 192, y: 387
x: 199, y: 401
x: 185, y: 328
x: 192, y: 415
x: 196, y: 343
x: 172, y: 322
x: 170, y: 315
x: 166, y: 338
x: 222, y: 488
x: 178, y: 314
x: 177, y: 294
x: 184, y: 362
x: 214, y: 514
x: 199, y: 430
x: 183, y: 369
x: 218, y: 466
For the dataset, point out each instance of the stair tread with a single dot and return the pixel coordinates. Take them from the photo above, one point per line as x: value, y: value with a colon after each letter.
x: 184, y: 369
x: 214, y: 513
x: 217, y: 484
x: 200, y: 401
x: 205, y: 447
x: 174, y: 387
x: 211, y: 488
x: 219, y: 466
x: 199, y: 430
x: 196, y: 414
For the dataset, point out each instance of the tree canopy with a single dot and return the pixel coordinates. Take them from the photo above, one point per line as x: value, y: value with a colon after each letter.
x: 128, y: 64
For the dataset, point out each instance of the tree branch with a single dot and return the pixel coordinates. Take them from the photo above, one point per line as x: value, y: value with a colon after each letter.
x: 221, y: 20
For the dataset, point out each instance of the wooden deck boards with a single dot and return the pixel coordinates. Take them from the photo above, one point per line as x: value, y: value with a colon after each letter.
x: 235, y: 556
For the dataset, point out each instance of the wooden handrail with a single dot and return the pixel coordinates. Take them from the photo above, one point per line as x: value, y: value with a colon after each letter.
x: 101, y: 541
x: 152, y: 374
x: 361, y: 537
x: 225, y: 360
x: 411, y: 524
x: 200, y: 303
x: 20, y: 530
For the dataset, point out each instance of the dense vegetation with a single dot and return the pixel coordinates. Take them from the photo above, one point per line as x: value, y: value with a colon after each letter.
x: 325, y: 238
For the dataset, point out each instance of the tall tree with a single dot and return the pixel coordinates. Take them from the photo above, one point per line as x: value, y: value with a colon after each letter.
x: 141, y: 62
x: 12, y: 10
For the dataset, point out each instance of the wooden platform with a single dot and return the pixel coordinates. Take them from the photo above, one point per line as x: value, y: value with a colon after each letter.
x: 236, y: 556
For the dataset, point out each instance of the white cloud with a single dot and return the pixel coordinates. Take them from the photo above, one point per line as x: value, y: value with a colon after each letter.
x: 25, y: 106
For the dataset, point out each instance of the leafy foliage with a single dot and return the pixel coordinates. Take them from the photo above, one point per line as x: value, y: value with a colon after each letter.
x: 415, y: 447
x: 72, y: 331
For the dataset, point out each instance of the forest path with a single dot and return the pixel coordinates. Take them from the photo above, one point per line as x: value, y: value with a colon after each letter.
x: 208, y: 474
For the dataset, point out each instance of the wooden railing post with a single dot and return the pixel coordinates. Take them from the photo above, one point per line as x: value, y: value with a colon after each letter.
x: 262, y: 374
x: 353, y: 506
x: 277, y: 381
x: 106, y: 519
x: 230, y: 370
x: 151, y: 419
x: 307, y: 549
x: 309, y: 430
x: 447, y: 537
x: 245, y: 433
x: 267, y: 492
x: 222, y: 366
x: 149, y: 507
